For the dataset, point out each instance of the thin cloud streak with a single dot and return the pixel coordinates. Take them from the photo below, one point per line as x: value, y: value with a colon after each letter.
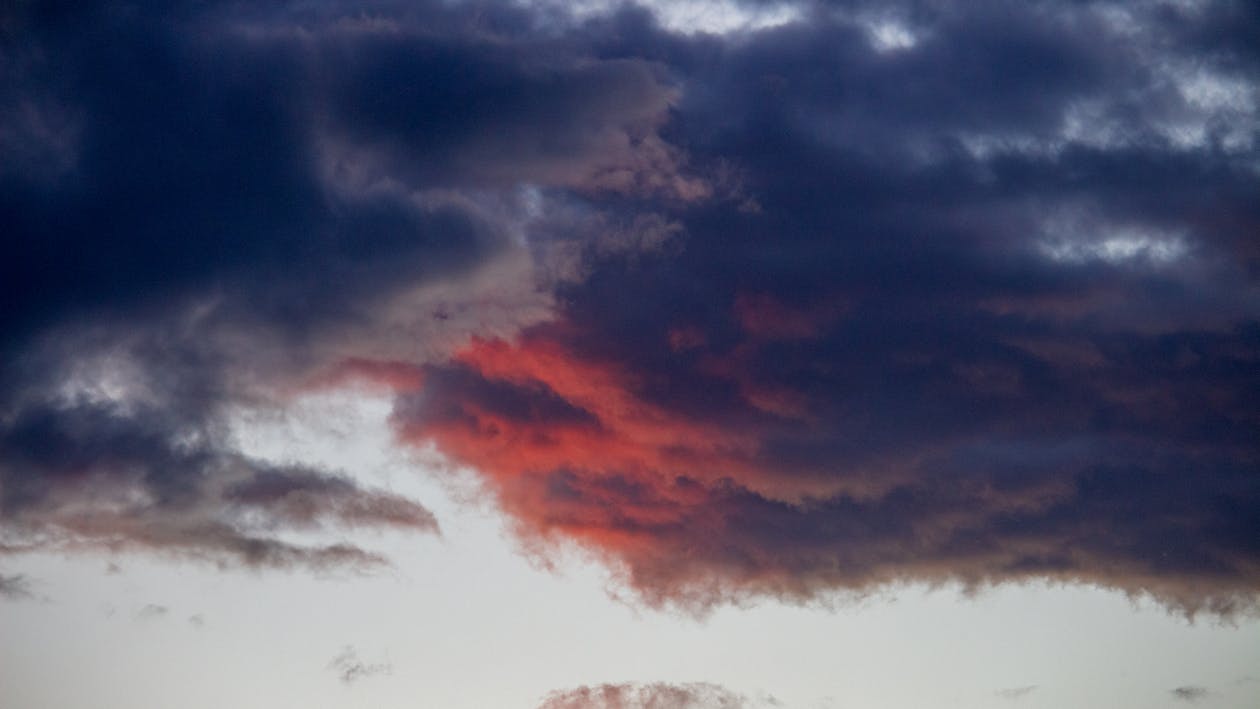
x: 1016, y: 692
x: 659, y: 695
x: 1190, y: 693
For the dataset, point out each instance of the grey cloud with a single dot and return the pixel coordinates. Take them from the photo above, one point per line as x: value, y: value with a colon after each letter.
x: 1016, y: 692
x: 659, y: 695
x: 15, y: 587
x: 1190, y: 693
x: 350, y: 668
x: 152, y: 611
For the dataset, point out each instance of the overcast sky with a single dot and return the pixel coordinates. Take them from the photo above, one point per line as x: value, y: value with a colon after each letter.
x: 611, y: 356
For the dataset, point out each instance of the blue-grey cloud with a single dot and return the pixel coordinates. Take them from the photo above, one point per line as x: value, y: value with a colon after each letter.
x: 983, y: 308
x: 930, y: 291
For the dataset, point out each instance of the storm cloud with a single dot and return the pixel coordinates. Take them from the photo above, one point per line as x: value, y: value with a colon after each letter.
x: 893, y: 292
x: 983, y: 309
x: 207, y: 208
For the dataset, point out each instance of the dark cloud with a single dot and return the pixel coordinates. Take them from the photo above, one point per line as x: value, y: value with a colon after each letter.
x: 208, y: 207
x: 984, y: 310
x: 1189, y: 693
x: 1016, y: 692
x: 928, y: 292
x: 658, y: 695
x: 350, y: 668
x: 158, y: 483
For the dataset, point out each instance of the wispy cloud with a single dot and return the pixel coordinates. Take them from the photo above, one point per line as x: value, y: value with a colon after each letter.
x: 1016, y: 692
x: 350, y: 668
x: 15, y: 587
x: 659, y: 695
x: 1190, y: 693
x: 152, y: 611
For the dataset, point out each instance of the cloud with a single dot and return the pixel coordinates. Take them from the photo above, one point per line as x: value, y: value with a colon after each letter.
x: 152, y: 611
x: 213, y: 239
x: 350, y: 668
x: 881, y: 374
x: 1189, y: 693
x: 15, y: 587
x: 959, y: 293
x: 658, y: 695
x: 1016, y: 692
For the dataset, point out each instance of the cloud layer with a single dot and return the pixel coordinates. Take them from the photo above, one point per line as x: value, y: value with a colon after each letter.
x: 928, y: 292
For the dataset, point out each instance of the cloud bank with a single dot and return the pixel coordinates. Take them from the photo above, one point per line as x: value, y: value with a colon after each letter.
x: 914, y: 292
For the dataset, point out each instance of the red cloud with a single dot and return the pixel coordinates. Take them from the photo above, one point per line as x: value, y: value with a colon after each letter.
x: 695, y: 508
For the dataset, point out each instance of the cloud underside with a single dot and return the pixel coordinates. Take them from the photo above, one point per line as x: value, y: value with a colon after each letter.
x: 959, y: 293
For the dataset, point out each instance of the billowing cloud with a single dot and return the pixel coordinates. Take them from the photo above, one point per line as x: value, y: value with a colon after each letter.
x: 952, y: 293
x: 207, y: 207
x: 658, y: 695
x: 942, y: 335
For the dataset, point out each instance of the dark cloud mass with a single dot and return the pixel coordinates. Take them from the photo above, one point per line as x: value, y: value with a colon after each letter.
x: 888, y: 292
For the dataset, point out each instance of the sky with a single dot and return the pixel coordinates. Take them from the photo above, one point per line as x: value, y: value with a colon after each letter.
x: 599, y: 355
